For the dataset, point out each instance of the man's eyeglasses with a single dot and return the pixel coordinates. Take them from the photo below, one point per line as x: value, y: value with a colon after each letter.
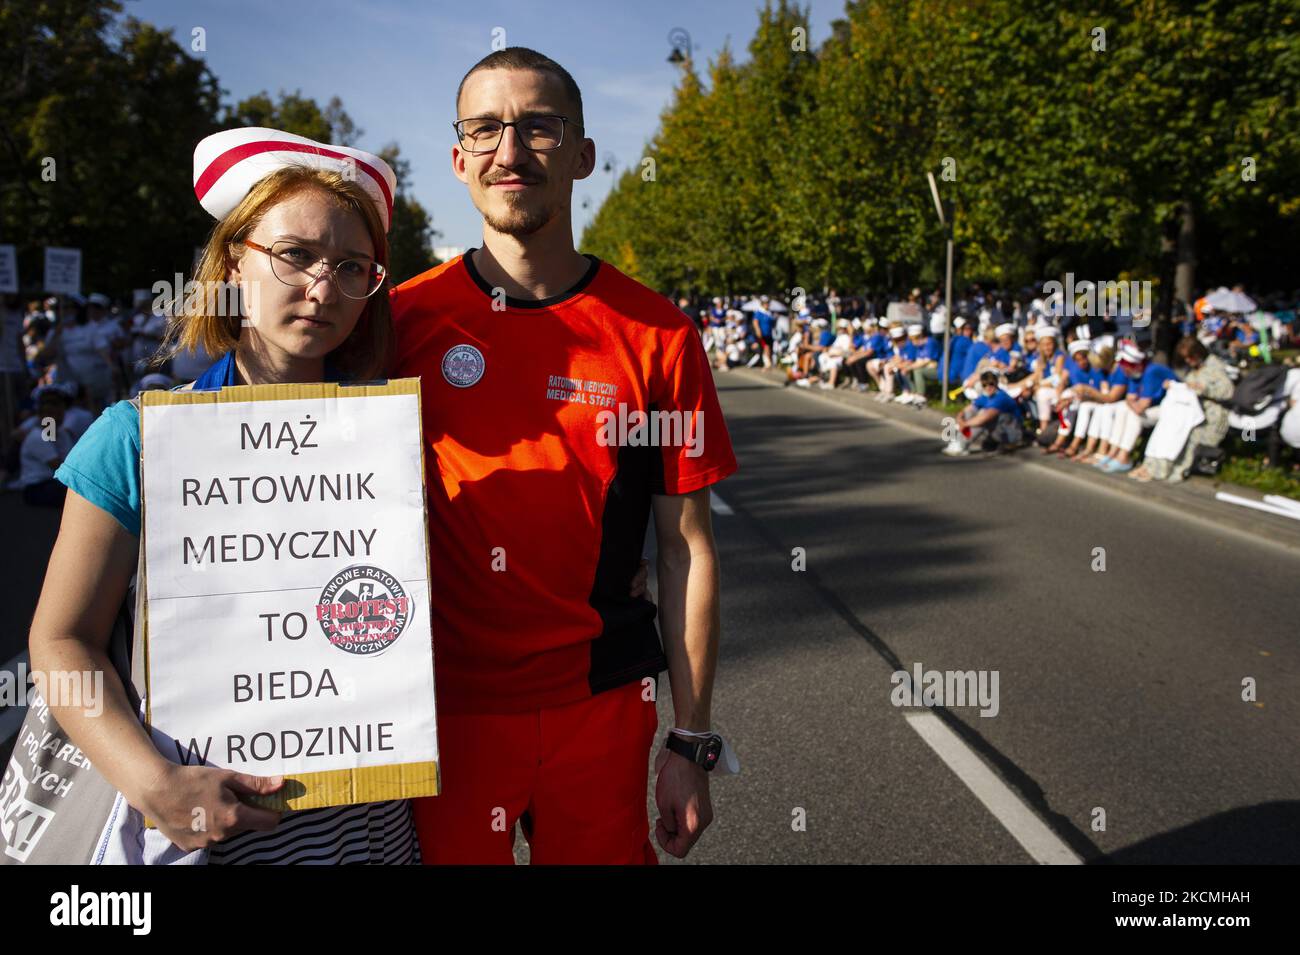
x: 482, y: 134
x: 293, y: 264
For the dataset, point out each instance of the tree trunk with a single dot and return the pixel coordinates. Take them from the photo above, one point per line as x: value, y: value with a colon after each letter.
x: 1185, y: 274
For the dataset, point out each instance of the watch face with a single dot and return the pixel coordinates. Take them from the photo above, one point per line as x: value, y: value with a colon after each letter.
x: 712, y: 750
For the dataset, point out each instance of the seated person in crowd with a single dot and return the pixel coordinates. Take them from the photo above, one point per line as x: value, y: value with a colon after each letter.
x: 1077, y: 370
x: 993, y: 420
x: 816, y: 340
x: 977, y: 356
x: 1139, y: 410
x: 1008, y: 355
x: 885, y: 371
x: 1243, y: 337
x: 1097, y: 401
x: 1045, y: 380
x: 832, y: 358
x: 958, y: 349
x: 925, y: 366
x: 1207, y: 376
x: 46, y: 445
x: 869, y: 343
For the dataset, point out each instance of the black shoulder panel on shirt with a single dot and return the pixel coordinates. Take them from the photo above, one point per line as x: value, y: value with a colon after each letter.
x: 628, y: 647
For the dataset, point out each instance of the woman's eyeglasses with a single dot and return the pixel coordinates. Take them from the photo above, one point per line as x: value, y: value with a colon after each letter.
x: 294, y: 264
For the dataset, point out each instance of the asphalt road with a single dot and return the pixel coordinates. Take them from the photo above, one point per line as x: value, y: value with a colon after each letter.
x: 1119, y: 691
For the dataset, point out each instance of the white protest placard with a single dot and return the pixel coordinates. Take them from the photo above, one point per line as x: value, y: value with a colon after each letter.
x: 907, y: 313
x: 286, y: 580
x: 63, y: 271
x: 8, y: 269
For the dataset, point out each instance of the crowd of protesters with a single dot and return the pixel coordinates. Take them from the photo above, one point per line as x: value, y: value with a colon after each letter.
x: 1084, y: 387
x: 63, y: 360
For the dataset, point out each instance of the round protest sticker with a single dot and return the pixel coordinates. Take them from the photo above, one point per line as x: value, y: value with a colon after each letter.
x: 363, y: 610
x: 463, y: 365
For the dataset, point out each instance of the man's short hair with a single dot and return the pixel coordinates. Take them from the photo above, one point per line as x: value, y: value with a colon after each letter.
x: 988, y: 378
x: 522, y: 58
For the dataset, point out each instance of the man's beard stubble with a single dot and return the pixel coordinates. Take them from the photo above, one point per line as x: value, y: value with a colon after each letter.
x: 519, y: 220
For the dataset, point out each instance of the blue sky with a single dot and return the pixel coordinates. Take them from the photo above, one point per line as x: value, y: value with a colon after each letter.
x: 396, y: 64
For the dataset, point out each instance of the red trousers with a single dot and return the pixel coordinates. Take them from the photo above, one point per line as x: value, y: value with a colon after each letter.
x: 576, y: 775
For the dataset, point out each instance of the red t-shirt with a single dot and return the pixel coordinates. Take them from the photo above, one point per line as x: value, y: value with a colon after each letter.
x: 540, y: 472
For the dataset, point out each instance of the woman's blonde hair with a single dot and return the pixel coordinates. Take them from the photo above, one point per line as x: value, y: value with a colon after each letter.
x: 204, y: 323
x: 1103, y: 358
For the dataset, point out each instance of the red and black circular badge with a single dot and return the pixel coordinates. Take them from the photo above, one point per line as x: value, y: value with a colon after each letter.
x: 363, y: 610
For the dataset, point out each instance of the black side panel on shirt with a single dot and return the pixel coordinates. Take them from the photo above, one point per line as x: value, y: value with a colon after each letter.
x: 628, y: 647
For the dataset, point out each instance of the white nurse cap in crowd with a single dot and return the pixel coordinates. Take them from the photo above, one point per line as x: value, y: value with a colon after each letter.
x: 1047, y: 331
x: 1131, y: 353
x: 896, y: 332
x: 914, y: 330
x: 229, y: 163
x: 1078, y: 345
x: 1006, y: 328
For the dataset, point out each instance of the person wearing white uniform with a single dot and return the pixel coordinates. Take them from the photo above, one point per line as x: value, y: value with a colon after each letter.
x: 1047, y: 376
x: 1076, y: 370
x: 832, y: 359
x: 1139, y: 410
x: 82, y: 350
x: 1097, y: 403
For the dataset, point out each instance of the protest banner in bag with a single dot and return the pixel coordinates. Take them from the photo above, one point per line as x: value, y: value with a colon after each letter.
x: 286, y: 581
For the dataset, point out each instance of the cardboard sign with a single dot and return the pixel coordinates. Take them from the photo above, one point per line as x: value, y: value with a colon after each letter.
x: 8, y: 269
x: 906, y: 313
x: 286, y: 580
x: 63, y: 271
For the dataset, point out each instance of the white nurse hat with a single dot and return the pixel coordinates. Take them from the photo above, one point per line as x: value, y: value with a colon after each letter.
x: 229, y: 163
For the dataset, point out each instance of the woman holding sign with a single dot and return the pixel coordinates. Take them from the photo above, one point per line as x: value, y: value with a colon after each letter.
x: 302, y: 236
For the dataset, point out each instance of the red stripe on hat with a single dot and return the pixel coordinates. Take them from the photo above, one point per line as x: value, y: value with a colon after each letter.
x: 222, y: 164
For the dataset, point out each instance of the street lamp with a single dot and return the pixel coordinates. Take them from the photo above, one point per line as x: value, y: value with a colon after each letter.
x: 681, y: 40
x: 947, y: 282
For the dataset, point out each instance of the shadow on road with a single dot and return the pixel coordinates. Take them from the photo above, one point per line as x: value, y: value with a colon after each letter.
x: 1267, y: 834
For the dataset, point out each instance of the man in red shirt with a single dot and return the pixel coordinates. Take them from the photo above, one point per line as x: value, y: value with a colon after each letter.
x: 562, y: 403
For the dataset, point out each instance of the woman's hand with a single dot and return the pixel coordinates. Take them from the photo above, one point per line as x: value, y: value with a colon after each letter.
x: 196, y: 806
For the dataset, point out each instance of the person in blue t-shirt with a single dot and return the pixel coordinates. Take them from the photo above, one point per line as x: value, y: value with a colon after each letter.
x: 1046, y: 380
x: 1077, y: 370
x: 764, y: 324
x: 1099, y: 399
x: 888, y: 371
x: 1244, y: 337
x: 868, y: 344
x: 958, y: 349
x: 993, y: 419
x: 1140, y: 409
x: 980, y: 352
x: 1008, y: 355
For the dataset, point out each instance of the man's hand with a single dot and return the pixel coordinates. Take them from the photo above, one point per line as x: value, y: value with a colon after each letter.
x: 682, y: 795
x: 640, y: 580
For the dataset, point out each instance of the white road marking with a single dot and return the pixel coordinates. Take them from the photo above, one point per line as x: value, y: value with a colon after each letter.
x: 1293, y: 513
x: 1043, y: 845
x: 1278, y: 501
x: 718, y: 505
x: 11, y: 718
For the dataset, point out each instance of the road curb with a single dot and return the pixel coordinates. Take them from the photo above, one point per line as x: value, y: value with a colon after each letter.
x: 1194, y: 498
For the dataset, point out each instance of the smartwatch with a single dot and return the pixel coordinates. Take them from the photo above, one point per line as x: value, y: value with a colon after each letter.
x: 703, y: 752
